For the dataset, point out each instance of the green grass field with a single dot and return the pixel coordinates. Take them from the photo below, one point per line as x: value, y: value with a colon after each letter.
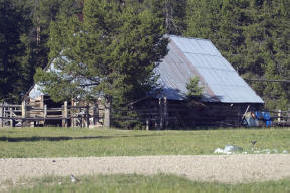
x: 145, y: 184
x: 80, y: 142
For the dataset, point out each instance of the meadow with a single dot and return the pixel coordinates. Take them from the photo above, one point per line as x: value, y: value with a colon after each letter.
x: 145, y: 184
x: 83, y: 142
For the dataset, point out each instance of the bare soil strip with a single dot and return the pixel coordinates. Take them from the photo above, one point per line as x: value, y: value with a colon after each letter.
x: 221, y: 168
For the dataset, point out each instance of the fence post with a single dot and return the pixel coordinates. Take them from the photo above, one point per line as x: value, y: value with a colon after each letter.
x: 11, y: 117
x: 23, y: 112
x: 160, y: 114
x: 147, y: 125
x: 87, y: 116
x: 64, y: 114
x: 23, y: 109
x: 107, y: 114
x: 165, y: 113
x: 279, y: 115
x: 45, y: 111
x: 73, y: 113
x: 1, y: 114
x: 95, y: 119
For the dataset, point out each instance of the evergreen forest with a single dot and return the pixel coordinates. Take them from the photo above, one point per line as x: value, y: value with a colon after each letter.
x: 106, y: 42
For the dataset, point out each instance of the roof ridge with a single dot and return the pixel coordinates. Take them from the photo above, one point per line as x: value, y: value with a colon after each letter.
x: 218, y: 55
x: 172, y: 35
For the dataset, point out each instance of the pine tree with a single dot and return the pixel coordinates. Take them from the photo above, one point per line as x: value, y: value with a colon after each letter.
x: 253, y: 36
x: 24, y: 35
x: 203, y: 18
x: 14, y: 28
x: 264, y: 56
x: 43, y: 13
x: 194, y: 90
x: 115, y: 49
x: 172, y: 12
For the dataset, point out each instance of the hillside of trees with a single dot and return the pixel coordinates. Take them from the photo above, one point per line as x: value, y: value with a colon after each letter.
x: 254, y: 35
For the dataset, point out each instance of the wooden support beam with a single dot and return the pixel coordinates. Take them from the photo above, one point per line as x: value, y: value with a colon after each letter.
x: 107, y: 115
x: 64, y: 114
x: 81, y: 121
x: 160, y: 114
x: 165, y: 113
x: 23, y: 112
x: 45, y: 111
x: 44, y: 114
x: 73, y: 120
x: 95, y: 115
x: 11, y: 117
x: 279, y: 116
x: 87, y: 117
x: 147, y: 124
x: 41, y: 106
x: 248, y: 107
x: 2, y: 115
x: 23, y: 109
x: 10, y: 106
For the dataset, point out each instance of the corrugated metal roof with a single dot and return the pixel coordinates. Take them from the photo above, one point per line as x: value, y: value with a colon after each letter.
x: 35, y: 92
x: 190, y: 57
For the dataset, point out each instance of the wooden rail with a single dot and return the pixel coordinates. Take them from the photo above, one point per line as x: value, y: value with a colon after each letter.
x: 160, y: 115
x: 28, y: 114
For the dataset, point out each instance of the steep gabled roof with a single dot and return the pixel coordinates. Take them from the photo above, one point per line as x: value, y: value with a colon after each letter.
x: 190, y: 57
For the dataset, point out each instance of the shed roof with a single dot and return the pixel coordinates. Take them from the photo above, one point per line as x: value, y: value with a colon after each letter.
x: 190, y: 57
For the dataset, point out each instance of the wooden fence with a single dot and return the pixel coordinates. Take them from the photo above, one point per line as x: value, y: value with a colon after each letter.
x: 157, y: 115
x: 281, y: 118
x: 29, y: 115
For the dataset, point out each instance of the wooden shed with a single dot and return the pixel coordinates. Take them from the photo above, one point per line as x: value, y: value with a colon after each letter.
x: 226, y: 95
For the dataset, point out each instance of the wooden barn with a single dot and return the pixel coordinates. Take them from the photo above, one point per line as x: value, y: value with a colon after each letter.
x: 225, y: 99
x: 226, y: 95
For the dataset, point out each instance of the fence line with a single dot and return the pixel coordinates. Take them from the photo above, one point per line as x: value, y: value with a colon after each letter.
x: 160, y: 116
x: 10, y: 114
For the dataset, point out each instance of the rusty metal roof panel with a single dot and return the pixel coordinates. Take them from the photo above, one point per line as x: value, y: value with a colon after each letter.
x: 190, y: 57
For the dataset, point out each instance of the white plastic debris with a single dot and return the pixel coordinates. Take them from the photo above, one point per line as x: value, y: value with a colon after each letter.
x: 233, y: 148
x: 229, y: 149
x: 219, y: 150
x: 267, y: 151
x: 285, y: 151
x: 19, y: 124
